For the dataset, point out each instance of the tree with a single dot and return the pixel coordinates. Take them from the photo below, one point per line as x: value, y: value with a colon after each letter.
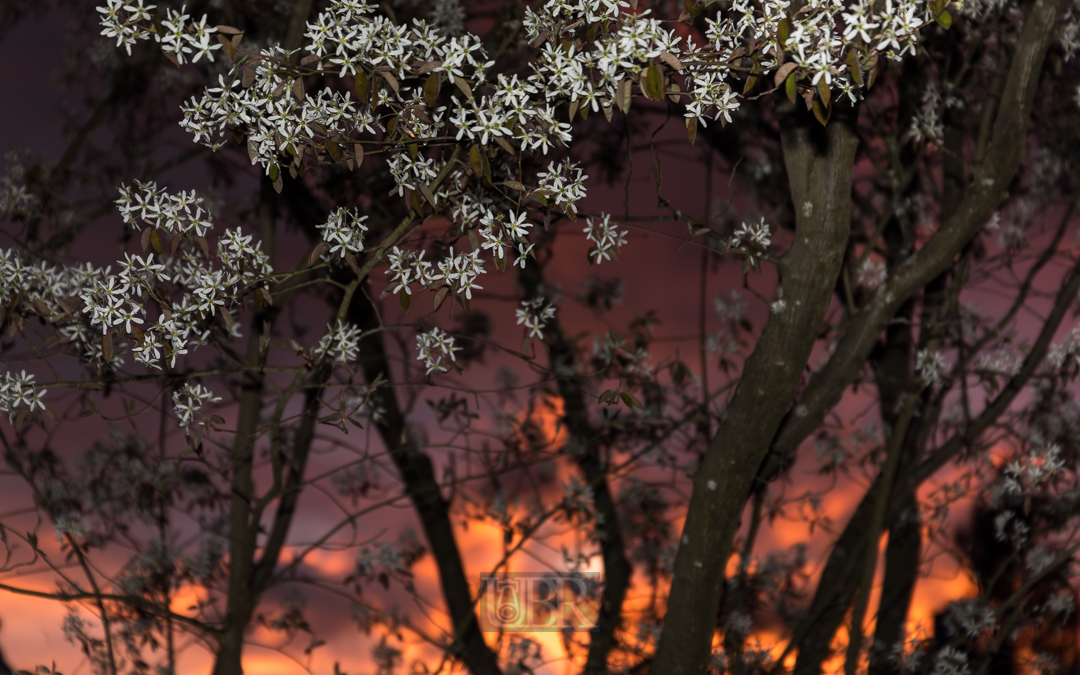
x: 887, y: 209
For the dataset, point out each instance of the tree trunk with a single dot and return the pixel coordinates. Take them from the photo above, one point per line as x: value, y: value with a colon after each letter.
x: 819, y: 165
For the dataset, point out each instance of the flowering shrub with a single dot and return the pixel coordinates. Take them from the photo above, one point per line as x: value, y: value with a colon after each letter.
x: 900, y: 166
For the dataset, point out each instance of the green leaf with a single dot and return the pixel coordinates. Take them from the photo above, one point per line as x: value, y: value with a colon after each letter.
x: 475, y: 161
x: 821, y: 112
x: 653, y: 81
x: 945, y: 19
x: 783, y: 31
x: 431, y: 89
x: 853, y: 67
x: 629, y: 400
x: 825, y: 93
x: 406, y: 301
x: 333, y: 149
x: 789, y: 87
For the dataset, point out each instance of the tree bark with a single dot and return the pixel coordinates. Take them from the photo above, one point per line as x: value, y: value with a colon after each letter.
x: 819, y: 165
x: 1001, y: 159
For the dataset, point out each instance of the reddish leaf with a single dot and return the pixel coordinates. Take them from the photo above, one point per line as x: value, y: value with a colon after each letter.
x: 671, y: 60
x: 316, y: 253
x: 782, y: 73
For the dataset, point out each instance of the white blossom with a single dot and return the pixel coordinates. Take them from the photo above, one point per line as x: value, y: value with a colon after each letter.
x: 435, y: 348
x: 535, y: 314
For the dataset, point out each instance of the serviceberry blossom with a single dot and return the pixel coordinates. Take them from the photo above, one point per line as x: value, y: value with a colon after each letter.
x: 380, y: 557
x: 340, y: 344
x: 971, y: 618
x: 951, y: 661
x: 1033, y: 471
x: 930, y: 365
x: 871, y: 274
x: 1066, y: 353
x: 535, y: 314
x: 435, y: 348
x: 1039, y: 559
x: 344, y: 232
x: 754, y: 239
x: 74, y: 525
x: 178, y: 213
x: 188, y: 403
x: 460, y: 271
x: 731, y: 308
x: 18, y: 393
x: 261, y: 98
x: 565, y: 182
x: 606, y: 237
x: 1003, y: 361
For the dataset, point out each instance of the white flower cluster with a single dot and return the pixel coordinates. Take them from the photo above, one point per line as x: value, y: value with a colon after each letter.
x: 577, y: 497
x: 951, y: 661
x: 195, y: 287
x: 188, y: 403
x: 381, y: 557
x: 74, y: 525
x: 179, y: 37
x: 871, y: 274
x: 930, y: 365
x: 565, y: 183
x: 731, y: 308
x: 204, y: 288
x: 499, y: 232
x: 1039, y: 559
x: 398, y: 71
x: 366, y: 404
x: 971, y: 618
x: 1007, y: 526
x: 754, y: 238
x: 459, y: 271
x: 1066, y: 353
x: 606, y: 237
x: 435, y: 348
x: 341, y: 343
x: 1002, y: 361
x: 535, y: 314
x: 344, y: 232
x: 14, y: 197
x: 174, y: 213
x: 1070, y: 37
x: 1060, y: 604
x: 18, y: 393
x: 384, y: 557
x: 1029, y: 473
x: 244, y: 259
